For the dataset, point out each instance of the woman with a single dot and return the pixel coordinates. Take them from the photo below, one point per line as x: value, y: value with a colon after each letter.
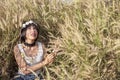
x: 30, y: 53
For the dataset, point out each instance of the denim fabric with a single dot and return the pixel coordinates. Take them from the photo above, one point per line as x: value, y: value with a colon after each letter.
x: 25, y: 77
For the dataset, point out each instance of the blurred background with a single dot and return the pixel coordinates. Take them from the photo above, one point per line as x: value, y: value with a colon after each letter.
x: 88, y: 32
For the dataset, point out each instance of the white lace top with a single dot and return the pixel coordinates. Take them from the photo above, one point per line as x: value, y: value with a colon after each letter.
x: 32, y: 60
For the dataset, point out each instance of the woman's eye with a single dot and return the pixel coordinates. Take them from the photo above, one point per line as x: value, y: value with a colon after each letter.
x: 34, y: 28
x: 29, y: 28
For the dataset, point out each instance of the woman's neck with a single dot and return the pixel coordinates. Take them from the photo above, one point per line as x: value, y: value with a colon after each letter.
x: 29, y: 43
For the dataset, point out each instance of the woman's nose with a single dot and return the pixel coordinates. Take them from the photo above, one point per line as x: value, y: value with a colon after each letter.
x: 32, y: 29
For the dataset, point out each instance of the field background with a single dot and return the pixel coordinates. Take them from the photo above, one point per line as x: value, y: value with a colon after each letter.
x: 88, y: 32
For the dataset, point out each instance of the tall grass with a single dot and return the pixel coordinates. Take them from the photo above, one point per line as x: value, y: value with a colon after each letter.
x: 88, y: 32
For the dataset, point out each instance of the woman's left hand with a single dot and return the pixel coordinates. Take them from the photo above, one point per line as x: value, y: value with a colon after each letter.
x: 49, y: 58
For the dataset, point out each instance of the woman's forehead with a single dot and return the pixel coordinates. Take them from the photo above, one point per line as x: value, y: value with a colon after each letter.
x: 31, y: 26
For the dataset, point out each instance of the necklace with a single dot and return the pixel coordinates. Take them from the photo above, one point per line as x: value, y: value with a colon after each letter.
x: 29, y: 45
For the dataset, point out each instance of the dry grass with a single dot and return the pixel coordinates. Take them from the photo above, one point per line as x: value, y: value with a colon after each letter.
x: 87, y: 30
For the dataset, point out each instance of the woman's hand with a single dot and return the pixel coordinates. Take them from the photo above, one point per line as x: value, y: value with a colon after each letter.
x: 49, y: 59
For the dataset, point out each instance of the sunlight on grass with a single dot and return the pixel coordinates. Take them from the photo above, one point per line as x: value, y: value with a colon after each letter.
x: 88, y: 32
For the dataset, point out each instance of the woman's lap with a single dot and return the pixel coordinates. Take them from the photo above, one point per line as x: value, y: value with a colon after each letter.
x: 27, y: 77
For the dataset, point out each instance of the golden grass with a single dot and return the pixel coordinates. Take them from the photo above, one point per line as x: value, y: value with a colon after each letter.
x: 87, y: 30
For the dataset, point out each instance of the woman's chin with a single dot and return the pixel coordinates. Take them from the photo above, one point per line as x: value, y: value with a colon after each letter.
x: 32, y: 39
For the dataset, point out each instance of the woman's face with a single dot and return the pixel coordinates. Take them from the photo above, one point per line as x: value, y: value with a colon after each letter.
x: 31, y: 33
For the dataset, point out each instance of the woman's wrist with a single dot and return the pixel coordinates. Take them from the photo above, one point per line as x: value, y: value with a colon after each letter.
x: 44, y: 63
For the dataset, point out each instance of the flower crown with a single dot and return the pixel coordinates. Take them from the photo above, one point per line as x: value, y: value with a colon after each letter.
x: 27, y: 23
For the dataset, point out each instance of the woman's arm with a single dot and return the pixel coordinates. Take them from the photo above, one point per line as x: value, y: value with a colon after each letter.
x: 24, y: 67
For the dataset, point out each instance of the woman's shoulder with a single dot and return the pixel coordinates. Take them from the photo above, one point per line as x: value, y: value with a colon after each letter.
x: 41, y: 43
x: 16, y: 48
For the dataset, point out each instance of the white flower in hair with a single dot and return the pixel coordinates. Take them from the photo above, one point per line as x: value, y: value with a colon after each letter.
x: 27, y: 23
x: 23, y: 25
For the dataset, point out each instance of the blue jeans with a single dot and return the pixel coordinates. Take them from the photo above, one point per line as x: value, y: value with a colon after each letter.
x: 25, y: 77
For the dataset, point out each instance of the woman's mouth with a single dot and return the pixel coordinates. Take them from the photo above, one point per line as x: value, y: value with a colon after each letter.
x: 33, y: 34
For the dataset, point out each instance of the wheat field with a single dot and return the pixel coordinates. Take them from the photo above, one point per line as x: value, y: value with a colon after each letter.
x: 87, y: 31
